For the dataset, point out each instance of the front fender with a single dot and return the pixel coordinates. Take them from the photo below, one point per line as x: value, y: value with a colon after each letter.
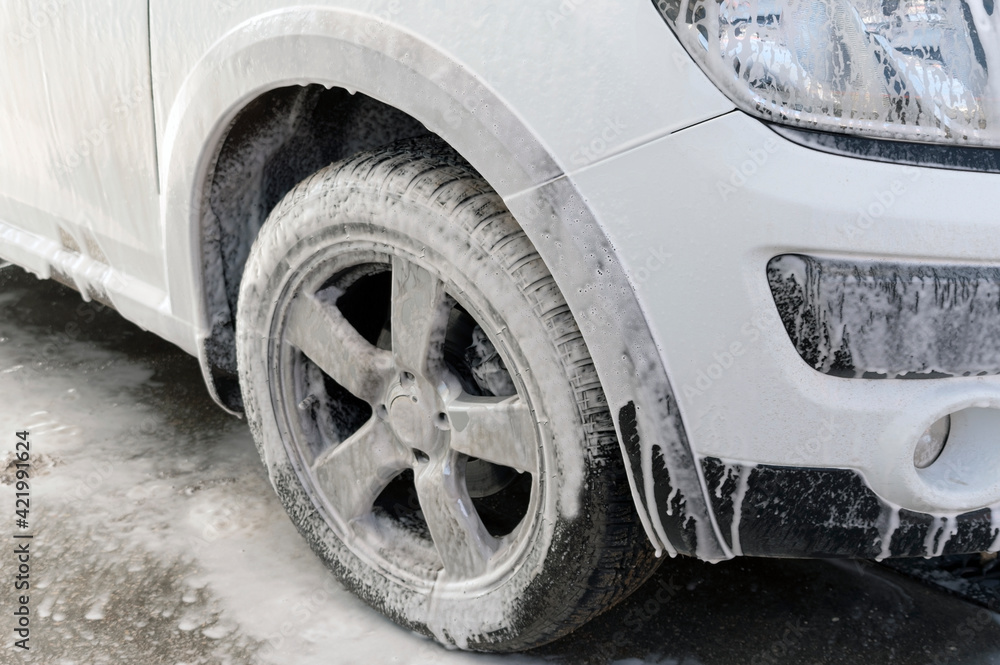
x: 361, y: 53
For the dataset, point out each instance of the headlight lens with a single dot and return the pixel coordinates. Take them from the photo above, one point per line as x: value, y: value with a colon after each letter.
x: 912, y: 70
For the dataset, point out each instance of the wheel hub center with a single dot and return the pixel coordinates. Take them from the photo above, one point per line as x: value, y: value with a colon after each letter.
x: 411, y: 420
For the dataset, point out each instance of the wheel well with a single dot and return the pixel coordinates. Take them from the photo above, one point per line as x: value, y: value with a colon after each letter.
x: 276, y: 141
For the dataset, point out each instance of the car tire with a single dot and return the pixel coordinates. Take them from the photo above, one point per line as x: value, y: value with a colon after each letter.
x: 427, y: 409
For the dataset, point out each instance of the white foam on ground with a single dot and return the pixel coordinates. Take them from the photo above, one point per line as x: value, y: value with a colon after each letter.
x: 117, y: 467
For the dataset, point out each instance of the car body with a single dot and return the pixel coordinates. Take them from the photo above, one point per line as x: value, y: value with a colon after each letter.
x: 716, y: 263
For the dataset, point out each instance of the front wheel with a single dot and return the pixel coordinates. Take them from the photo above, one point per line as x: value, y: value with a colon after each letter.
x: 426, y: 406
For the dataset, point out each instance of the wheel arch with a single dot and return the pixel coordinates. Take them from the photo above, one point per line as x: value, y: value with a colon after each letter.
x: 361, y: 53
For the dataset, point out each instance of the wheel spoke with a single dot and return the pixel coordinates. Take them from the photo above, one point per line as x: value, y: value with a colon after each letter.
x: 354, y: 473
x: 419, y: 319
x: 321, y: 332
x: 463, y: 543
x: 500, y: 430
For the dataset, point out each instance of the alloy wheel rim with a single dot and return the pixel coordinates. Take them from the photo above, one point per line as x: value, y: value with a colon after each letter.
x: 423, y: 420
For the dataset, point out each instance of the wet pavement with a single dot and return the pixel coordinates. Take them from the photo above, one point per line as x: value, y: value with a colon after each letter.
x: 157, y: 539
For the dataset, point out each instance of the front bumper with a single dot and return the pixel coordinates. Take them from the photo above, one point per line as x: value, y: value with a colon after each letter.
x: 697, y: 216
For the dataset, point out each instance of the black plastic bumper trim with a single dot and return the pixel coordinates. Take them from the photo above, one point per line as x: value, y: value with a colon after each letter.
x: 817, y: 513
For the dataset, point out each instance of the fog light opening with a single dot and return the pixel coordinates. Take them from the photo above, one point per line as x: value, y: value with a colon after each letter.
x: 931, y: 443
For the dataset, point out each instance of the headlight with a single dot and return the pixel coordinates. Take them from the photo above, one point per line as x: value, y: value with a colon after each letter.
x: 916, y: 70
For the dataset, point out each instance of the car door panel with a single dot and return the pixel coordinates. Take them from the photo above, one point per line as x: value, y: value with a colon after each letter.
x: 79, y: 161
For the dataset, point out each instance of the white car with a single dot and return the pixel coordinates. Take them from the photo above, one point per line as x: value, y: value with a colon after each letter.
x: 517, y: 297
